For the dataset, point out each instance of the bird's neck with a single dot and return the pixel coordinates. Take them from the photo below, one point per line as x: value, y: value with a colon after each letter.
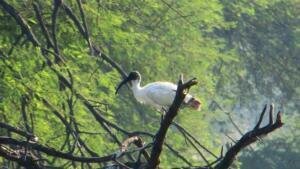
x: 136, y: 86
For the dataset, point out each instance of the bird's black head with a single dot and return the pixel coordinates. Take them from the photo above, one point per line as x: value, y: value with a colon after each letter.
x: 135, y: 75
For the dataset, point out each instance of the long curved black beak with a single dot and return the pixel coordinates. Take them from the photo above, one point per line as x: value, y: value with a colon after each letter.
x: 121, y: 84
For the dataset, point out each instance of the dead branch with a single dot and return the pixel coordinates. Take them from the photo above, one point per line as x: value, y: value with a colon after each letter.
x: 189, y: 137
x: 166, y: 122
x: 136, y: 140
x: 183, y: 130
x: 17, y: 131
x: 22, y: 158
x: 52, y: 152
x: 250, y: 137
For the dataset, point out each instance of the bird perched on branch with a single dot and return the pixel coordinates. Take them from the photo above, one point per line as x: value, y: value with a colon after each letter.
x: 157, y: 94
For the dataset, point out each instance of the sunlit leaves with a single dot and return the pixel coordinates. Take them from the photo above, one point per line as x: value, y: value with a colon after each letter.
x: 226, y: 45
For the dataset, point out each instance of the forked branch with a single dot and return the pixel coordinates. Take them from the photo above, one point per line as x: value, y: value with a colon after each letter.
x: 166, y: 122
x: 250, y: 137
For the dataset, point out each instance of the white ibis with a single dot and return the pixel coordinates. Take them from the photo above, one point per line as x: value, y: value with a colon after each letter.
x: 157, y: 94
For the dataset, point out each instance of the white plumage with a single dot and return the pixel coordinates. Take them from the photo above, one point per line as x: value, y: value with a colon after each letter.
x: 157, y: 94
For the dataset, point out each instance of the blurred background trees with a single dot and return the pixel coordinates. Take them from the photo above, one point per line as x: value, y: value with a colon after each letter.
x: 243, y: 53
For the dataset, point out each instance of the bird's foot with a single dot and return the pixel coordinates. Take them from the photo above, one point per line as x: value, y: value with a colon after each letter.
x: 161, y: 118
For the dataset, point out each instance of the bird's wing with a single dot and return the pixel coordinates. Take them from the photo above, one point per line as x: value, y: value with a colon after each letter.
x: 161, y: 93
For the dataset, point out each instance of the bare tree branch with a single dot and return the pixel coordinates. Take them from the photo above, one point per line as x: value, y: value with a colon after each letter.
x: 138, y: 142
x: 16, y: 130
x: 24, y: 159
x: 250, y: 137
x: 20, y: 21
x: 55, y: 153
x: 44, y: 29
x: 56, y: 6
x: 24, y: 103
x: 166, y: 122
x: 193, y: 138
x: 87, y: 36
x: 74, y: 18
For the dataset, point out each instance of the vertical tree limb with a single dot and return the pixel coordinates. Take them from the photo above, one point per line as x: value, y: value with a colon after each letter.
x: 87, y: 36
x: 166, y: 122
x: 44, y: 29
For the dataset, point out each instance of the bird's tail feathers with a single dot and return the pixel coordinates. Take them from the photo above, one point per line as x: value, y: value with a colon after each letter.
x: 192, y: 102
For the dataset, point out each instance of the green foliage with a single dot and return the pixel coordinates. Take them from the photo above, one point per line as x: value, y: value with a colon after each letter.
x: 242, y: 53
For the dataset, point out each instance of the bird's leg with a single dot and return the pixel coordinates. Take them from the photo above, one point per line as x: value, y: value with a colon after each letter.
x: 163, y: 113
x: 161, y: 118
x: 164, y: 110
